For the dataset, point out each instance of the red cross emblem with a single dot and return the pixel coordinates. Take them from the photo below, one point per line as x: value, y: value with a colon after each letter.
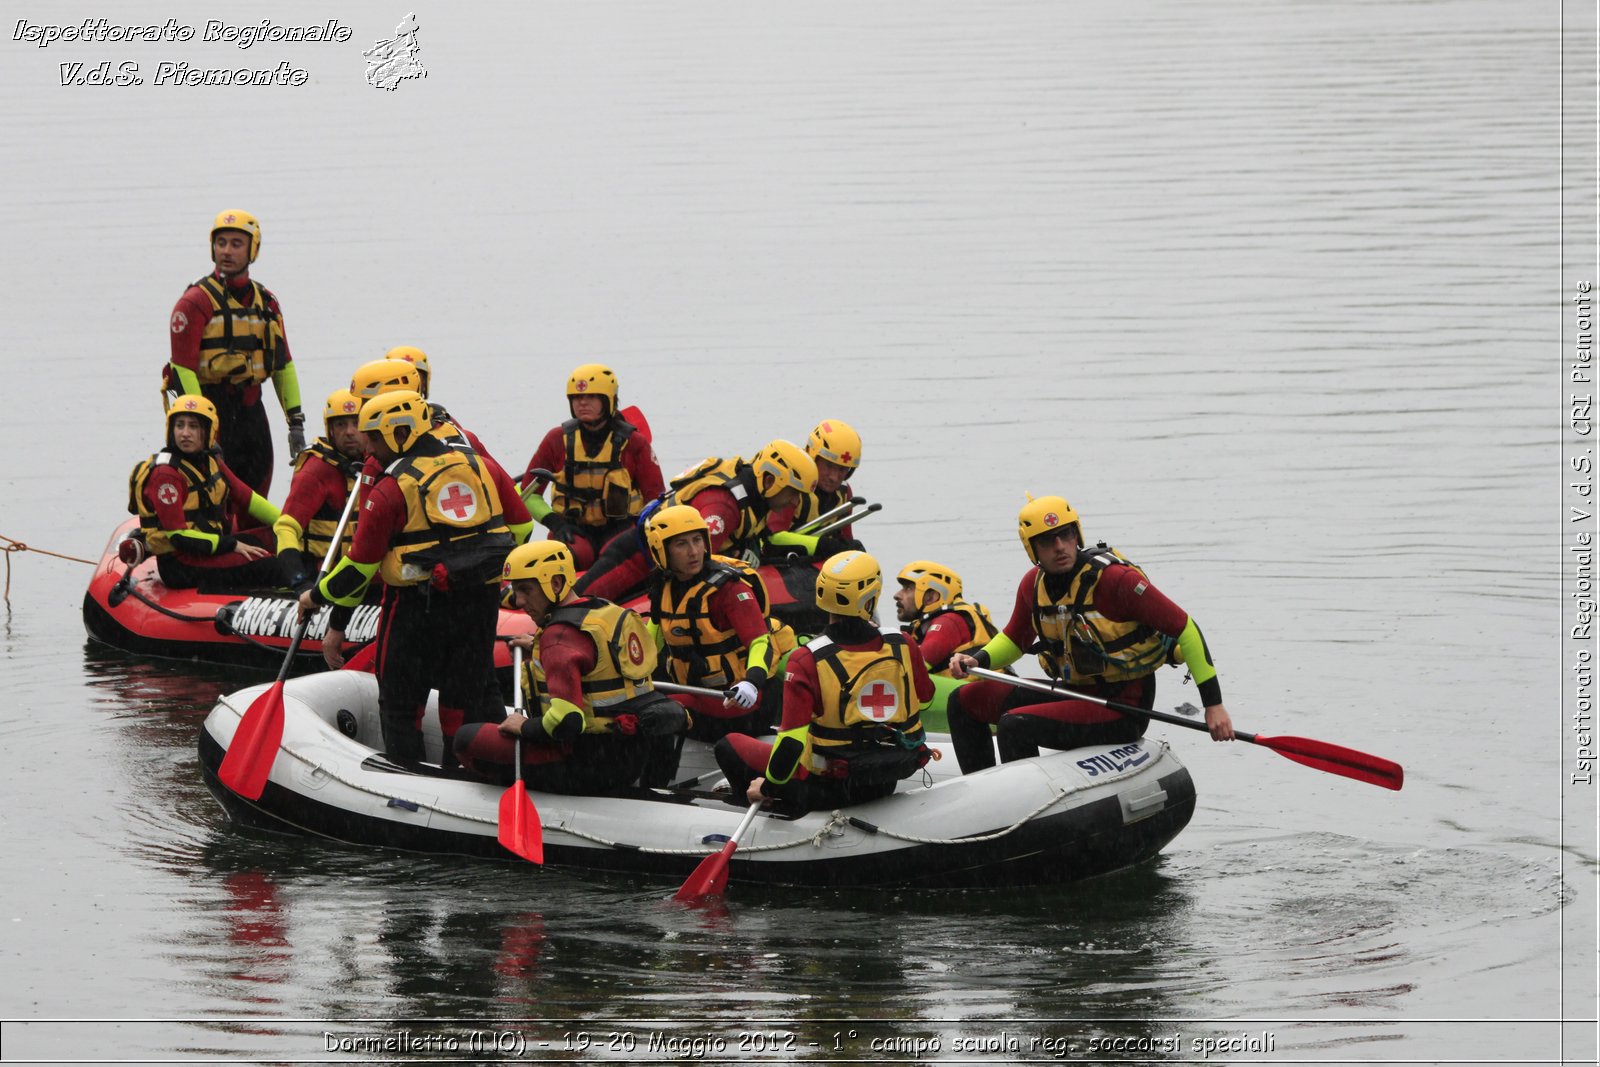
x: 583, y: 385
x: 635, y: 650
x: 879, y: 701
x: 1051, y: 519
x: 715, y: 525
x: 180, y: 322
x: 459, y: 501
x: 190, y: 405
x: 167, y: 494
x: 348, y: 407
x: 845, y: 456
x: 229, y: 218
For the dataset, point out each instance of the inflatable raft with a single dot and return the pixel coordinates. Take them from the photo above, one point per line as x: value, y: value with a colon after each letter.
x: 132, y: 609
x: 1058, y: 818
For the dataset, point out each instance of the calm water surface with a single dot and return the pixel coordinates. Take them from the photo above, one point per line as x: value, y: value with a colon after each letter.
x: 1271, y: 292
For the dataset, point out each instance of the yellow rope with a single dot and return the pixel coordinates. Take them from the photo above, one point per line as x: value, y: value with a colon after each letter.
x: 11, y: 546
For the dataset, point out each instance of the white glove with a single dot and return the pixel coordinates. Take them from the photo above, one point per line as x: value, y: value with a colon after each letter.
x: 744, y: 694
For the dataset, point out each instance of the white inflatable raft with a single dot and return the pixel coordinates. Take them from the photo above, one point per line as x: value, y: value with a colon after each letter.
x: 1057, y: 818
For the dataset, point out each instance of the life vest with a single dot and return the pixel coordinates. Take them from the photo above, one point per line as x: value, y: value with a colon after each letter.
x: 735, y: 476
x: 319, y: 530
x: 978, y: 621
x: 204, y: 503
x: 698, y: 652
x: 625, y: 657
x: 453, y: 516
x: 595, y: 490
x: 242, y: 343
x: 867, y: 698
x: 1078, y: 644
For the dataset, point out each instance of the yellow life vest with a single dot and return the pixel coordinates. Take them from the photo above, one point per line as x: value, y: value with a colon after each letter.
x: 625, y: 657
x: 867, y: 697
x: 595, y: 489
x: 978, y: 621
x: 204, y: 502
x: 735, y: 476
x: 698, y: 652
x: 453, y: 516
x: 242, y: 343
x: 1078, y: 644
x: 319, y: 530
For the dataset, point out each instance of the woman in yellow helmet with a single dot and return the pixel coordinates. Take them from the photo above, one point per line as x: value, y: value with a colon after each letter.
x: 1101, y: 626
x: 195, y: 514
x: 851, y: 726
x: 227, y: 341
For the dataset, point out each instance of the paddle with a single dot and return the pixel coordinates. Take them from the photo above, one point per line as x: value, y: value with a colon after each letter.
x: 691, y: 690
x: 519, y: 828
x: 711, y: 877
x: 1334, y: 759
x: 255, y: 743
x: 845, y: 520
x: 848, y: 505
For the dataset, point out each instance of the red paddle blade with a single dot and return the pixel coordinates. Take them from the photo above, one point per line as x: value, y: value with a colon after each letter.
x: 710, y: 878
x: 636, y: 419
x: 1336, y: 759
x: 519, y: 824
x: 255, y: 745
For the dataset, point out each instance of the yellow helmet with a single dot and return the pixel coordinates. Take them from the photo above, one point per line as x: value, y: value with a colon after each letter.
x: 668, y: 523
x: 200, y: 407
x: 385, y: 376
x: 924, y: 575
x: 848, y: 584
x: 242, y: 221
x: 386, y: 413
x: 341, y: 403
x: 1045, y: 513
x: 417, y: 358
x: 594, y: 379
x: 789, y: 466
x: 542, y: 561
x: 837, y: 442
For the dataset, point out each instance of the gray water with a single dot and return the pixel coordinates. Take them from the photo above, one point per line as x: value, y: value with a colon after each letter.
x: 1273, y: 293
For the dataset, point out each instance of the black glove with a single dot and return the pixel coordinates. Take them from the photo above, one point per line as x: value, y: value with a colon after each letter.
x: 293, y: 572
x: 831, y: 545
x: 297, y: 436
x: 561, y: 528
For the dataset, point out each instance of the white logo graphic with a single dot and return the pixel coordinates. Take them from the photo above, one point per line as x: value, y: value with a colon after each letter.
x: 879, y: 702
x: 180, y: 322
x: 393, y: 61
x: 715, y: 525
x: 167, y: 494
x: 458, y: 502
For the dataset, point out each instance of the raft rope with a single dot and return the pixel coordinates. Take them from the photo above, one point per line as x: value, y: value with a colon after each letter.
x: 838, y: 819
x: 12, y: 545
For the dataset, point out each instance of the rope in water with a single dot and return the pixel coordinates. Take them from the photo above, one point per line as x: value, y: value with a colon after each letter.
x: 12, y: 545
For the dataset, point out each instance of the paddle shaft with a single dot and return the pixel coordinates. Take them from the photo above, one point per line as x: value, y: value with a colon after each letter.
x: 1333, y: 759
x: 1114, y: 705
x: 853, y: 502
x: 690, y: 690
x: 845, y: 520
x: 322, y: 569
x: 516, y: 704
